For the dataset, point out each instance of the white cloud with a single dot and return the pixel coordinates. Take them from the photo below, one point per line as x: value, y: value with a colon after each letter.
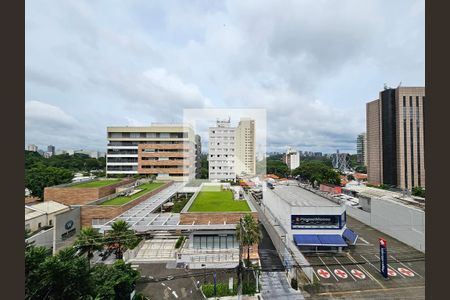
x: 312, y: 64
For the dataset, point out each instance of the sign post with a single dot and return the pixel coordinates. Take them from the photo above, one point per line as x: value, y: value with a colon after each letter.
x: 383, y: 257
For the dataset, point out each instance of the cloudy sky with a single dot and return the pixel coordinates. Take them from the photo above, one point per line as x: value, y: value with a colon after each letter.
x: 311, y: 64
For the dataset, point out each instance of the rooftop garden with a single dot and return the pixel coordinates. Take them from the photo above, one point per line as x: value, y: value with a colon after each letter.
x: 145, y: 188
x: 95, y: 184
x: 213, y: 199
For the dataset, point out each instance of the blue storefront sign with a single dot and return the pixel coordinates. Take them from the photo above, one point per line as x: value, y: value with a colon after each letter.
x: 383, y: 258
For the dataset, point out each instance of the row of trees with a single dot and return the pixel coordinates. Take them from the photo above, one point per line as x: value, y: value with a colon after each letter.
x: 317, y: 172
x: 77, y: 162
x: 69, y: 275
x: 42, y: 172
x: 120, y: 238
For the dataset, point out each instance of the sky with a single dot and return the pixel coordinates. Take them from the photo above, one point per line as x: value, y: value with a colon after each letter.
x: 312, y: 65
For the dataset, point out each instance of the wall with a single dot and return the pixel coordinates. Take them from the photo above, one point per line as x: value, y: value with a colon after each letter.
x: 67, y: 224
x: 213, y: 217
x: 79, y: 196
x: 89, y: 212
x: 404, y: 223
x: 34, y: 223
x: 43, y: 238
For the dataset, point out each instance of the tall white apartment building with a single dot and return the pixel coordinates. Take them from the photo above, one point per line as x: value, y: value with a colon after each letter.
x: 221, y: 151
x: 292, y: 158
x: 164, y: 150
x: 245, y: 147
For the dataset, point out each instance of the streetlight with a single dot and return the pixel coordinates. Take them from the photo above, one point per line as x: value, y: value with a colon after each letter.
x: 204, y: 273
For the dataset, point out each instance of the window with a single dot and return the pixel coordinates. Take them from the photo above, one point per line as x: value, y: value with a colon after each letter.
x: 50, y: 222
x: 39, y: 225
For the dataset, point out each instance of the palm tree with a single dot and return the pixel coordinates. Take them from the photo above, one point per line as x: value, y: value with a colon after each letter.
x: 250, y: 233
x: 89, y: 241
x: 121, y: 235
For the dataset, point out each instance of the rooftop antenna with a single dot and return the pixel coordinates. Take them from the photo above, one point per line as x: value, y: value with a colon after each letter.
x: 400, y: 84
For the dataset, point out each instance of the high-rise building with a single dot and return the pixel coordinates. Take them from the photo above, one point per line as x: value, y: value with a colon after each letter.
x: 51, y: 149
x: 292, y: 158
x: 198, y: 153
x: 32, y: 147
x: 361, y: 149
x: 245, y: 138
x: 164, y: 150
x: 395, y: 138
x: 221, y: 151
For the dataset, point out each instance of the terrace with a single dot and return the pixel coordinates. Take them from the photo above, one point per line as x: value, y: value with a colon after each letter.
x: 139, y: 191
x: 95, y: 183
x: 213, y: 199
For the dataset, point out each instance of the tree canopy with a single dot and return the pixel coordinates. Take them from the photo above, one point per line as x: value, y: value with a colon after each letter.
x: 40, y: 176
x: 317, y: 172
x: 67, y: 275
x: 41, y: 172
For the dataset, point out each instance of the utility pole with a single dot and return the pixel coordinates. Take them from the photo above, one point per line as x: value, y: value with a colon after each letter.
x: 240, y: 266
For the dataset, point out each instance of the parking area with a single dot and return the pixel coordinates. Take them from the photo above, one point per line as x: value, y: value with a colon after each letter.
x: 355, y: 271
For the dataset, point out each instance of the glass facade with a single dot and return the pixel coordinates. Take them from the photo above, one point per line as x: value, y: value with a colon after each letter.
x: 226, y: 241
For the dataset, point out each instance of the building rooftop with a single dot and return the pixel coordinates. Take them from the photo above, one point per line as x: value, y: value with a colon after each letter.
x: 297, y: 196
x: 371, y: 192
x: 47, y: 207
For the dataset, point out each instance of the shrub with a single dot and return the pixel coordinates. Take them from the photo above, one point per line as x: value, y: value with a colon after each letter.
x: 294, y: 283
x: 179, y: 242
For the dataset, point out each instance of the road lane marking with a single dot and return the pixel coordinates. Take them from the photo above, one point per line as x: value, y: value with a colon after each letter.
x: 367, y: 272
x: 391, y: 267
x: 328, y: 268
x: 406, y: 266
x: 351, y: 275
x: 175, y: 294
x: 363, y: 240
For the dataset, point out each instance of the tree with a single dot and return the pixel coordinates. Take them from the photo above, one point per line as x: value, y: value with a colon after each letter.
x: 63, y: 276
x: 41, y: 176
x: 418, y: 191
x: 277, y: 167
x: 204, y: 166
x: 68, y: 276
x: 89, y: 241
x: 249, y: 234
x: 315, y: 171
x: 121, y: 237
x: 114, y: 282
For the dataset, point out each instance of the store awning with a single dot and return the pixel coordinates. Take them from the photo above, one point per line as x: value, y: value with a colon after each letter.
x: 329, y: 240
x: 350, y: 236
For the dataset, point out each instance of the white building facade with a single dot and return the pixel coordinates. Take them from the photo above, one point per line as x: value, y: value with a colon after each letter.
x: 221, y: 151
x: 292, y: 159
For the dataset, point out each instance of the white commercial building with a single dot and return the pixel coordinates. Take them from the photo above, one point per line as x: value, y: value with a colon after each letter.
x: 32, y: 147
x: 310, y: 220
x: 292, y: 159
x: 221, y: 151
x: 42, y: 214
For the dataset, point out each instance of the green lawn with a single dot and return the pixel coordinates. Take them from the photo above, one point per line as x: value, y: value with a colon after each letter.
x: 221, y: 201
x: 95, y: 184
x: 148, y: 187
